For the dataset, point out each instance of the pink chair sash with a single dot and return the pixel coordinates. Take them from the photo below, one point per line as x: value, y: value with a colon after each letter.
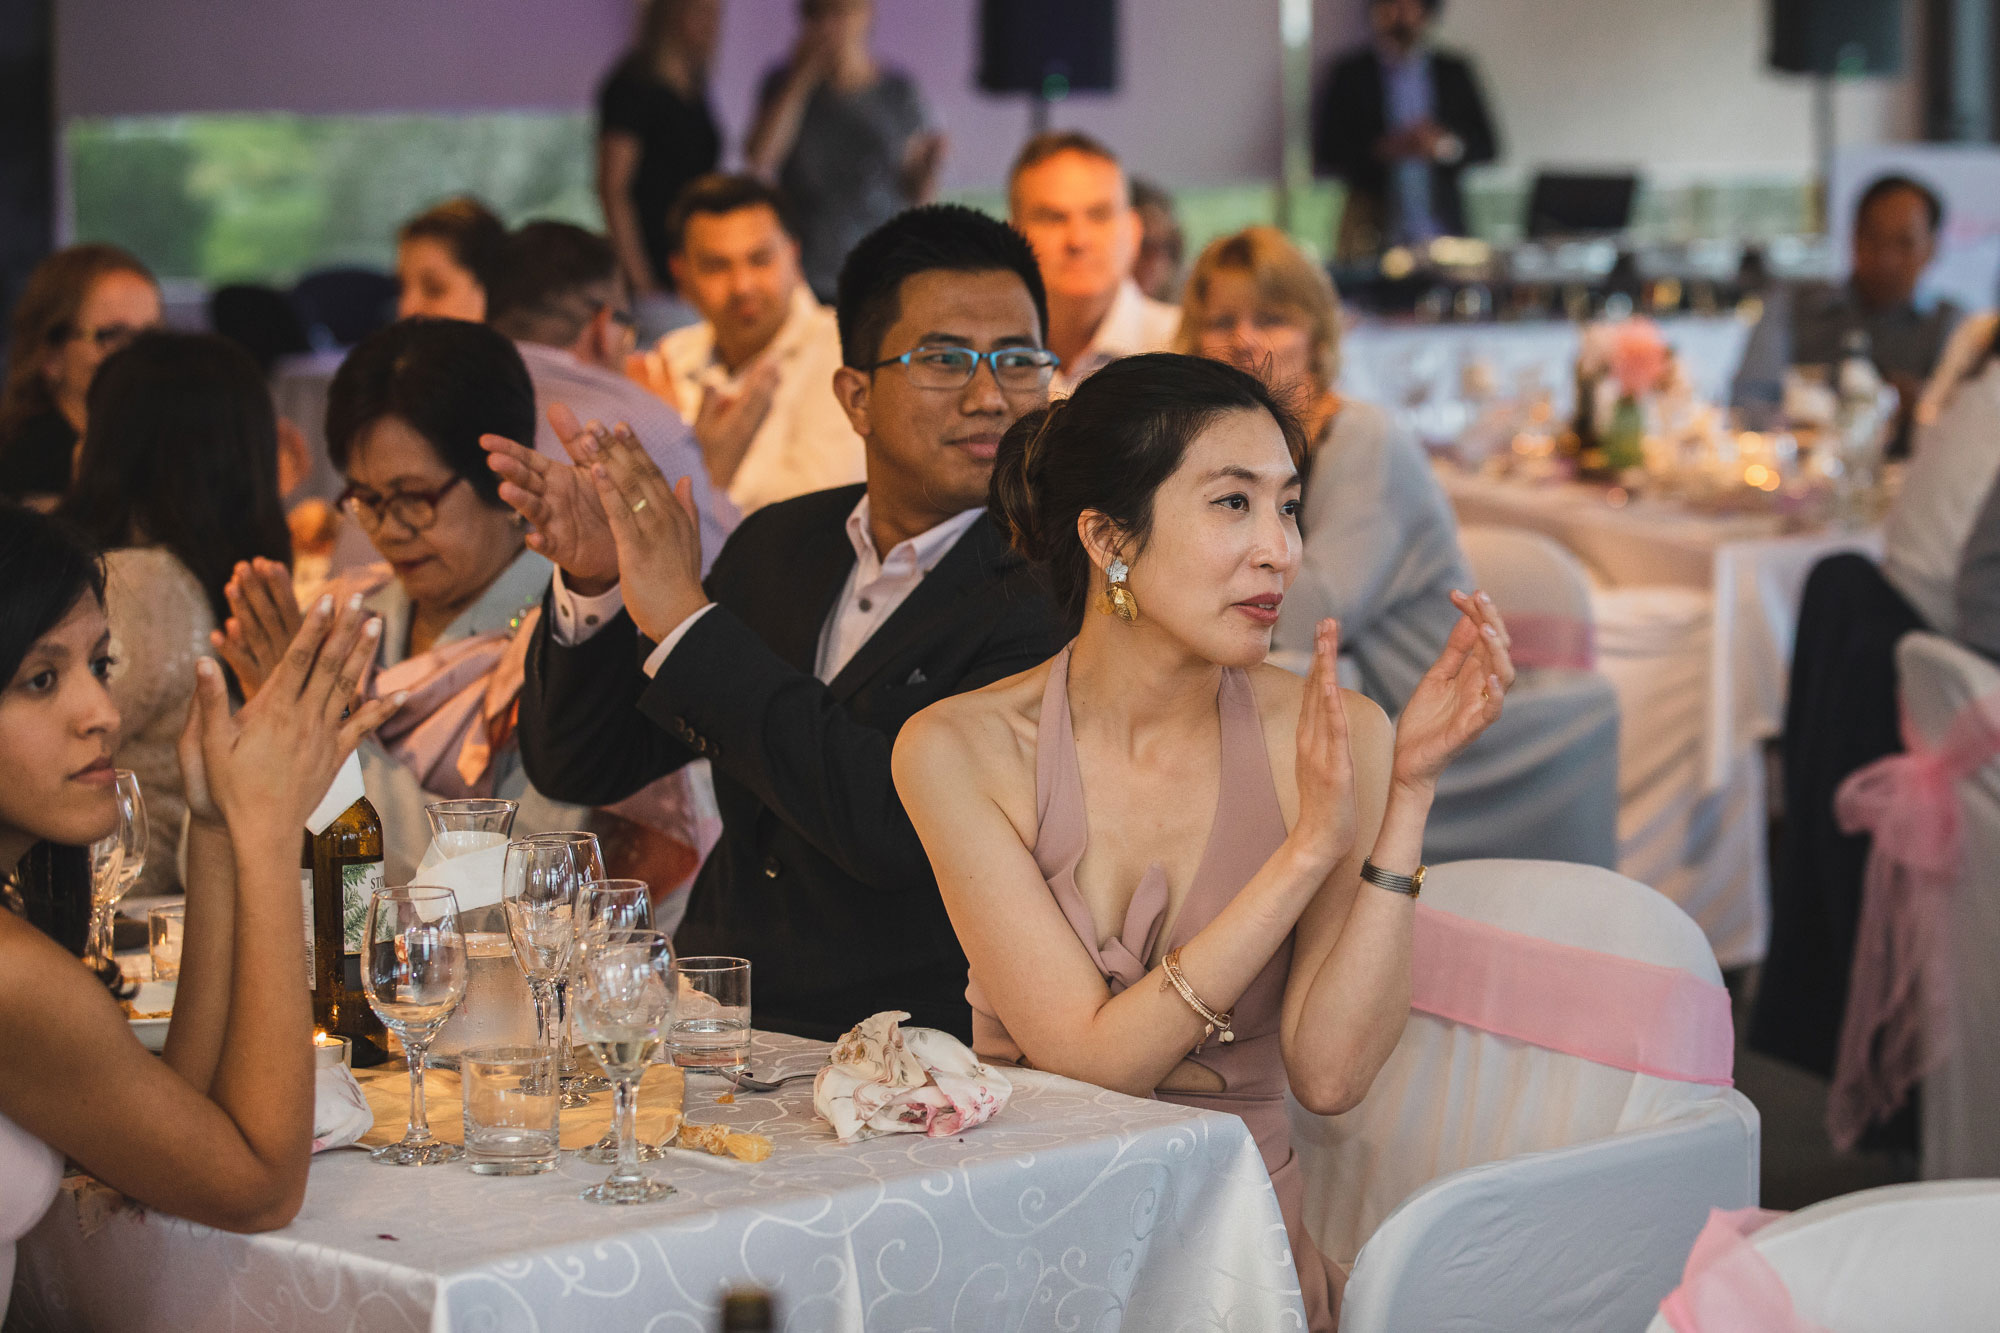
x: 1600, y: 1007
x: 1892, y: 1033
x: 1727, y: 1287
x: 1541, y: 639
x: 460, y: 715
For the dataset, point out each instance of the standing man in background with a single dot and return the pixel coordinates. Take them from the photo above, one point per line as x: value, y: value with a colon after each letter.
x: 1397, y: 123
x: 655, y: 133
x: 1068, y: 194
x: 755, y: 377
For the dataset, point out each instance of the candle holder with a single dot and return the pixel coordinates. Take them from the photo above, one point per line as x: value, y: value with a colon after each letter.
x: 330, y: 1050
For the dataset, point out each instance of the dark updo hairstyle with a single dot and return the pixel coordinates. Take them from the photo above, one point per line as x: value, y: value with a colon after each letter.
x: 1108, y: 447
x: 468, y: 231
x: 449, y: 380
x: 45, y: 570
x: 181, y: 451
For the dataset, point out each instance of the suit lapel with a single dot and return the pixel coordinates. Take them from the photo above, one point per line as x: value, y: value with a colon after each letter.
x: 820, y: 565
x: 966, y: 567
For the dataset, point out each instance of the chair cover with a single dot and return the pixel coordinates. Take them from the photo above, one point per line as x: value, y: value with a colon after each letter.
x: 1485, y: 1183
x: 1543, y: 781
x: 1705, y: 849
x: 1902, y: 1259
x: 1960, y: 1105
x: 1542, y: 590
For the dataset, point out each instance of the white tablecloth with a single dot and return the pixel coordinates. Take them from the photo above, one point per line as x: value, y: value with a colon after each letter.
x: 1076, y: 1208
x: 1753, y: 568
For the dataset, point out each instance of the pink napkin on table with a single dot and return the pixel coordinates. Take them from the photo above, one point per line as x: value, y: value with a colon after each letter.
x: 887, y: 1079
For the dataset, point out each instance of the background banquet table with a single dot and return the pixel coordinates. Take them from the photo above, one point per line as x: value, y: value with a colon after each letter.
x: 1075, y: 1208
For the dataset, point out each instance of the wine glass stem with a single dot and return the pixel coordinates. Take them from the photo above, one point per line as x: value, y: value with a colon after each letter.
x: 625, y: 1105
x: 544, y: 995
x: 419, y: 1130
x: 565, y: 1061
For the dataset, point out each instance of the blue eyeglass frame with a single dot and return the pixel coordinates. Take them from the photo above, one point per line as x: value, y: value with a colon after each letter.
x: 990, y: 358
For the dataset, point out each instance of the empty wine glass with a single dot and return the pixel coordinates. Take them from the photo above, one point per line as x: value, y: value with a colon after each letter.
x: 116, y: 861
x: 612, y: 904
x: 624, y: 1002
x: 414, y: 968
x: 538, y: 885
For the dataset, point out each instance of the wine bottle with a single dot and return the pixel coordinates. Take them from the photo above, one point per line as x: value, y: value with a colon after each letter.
x: 338, y: 872
x: 747, y: 1310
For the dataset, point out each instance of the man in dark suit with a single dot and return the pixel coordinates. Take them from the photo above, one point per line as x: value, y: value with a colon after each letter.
x: 1397, y: 123
x: 826, y: 622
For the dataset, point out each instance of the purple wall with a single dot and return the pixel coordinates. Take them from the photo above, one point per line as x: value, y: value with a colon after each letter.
x: 1199, y: 102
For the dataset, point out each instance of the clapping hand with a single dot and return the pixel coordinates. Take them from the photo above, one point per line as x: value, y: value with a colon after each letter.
x: 1326, y: 822
x: 727, y: 423
x: 1458, y: 698
x: 559, y: 501
x: 264, y: 617
x: 656, y: 530
x: 269, y: 765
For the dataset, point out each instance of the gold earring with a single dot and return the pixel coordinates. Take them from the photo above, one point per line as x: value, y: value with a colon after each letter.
x: 1118, y: 598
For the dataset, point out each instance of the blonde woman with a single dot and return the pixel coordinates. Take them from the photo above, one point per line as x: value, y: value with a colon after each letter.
x: 1381, y: 545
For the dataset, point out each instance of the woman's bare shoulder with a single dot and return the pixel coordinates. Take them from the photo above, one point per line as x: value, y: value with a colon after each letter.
x: 981, y: 733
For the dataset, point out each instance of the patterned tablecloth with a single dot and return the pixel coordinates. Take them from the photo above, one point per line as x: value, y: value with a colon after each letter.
x: 1076, y: 1208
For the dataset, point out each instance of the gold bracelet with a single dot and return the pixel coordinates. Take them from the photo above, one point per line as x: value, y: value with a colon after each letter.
x: 1213, y: 1023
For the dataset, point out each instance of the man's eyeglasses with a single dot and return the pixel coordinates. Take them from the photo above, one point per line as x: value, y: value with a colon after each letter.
x: 1015, y: 369
x: 415, y: 510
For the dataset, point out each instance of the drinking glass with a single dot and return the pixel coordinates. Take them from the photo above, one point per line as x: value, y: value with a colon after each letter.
x: 166, y: 927
x: 538, y: 890
x: 711, y: 1030
x: 612, y: 904
x: 624, y: 1001
x: 116, y: 862
x: 510, y: 1110
x: 413, y: 967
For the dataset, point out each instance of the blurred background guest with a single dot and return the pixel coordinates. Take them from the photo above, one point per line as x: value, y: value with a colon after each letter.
x: 655, y: 133
x: 1067, y: 193
x: 445, y: 259
x: 846, y: 140
x: 755, y: 376
x: 562, y: 300
x: 1398, y: 122
x: 177, y: 483
x: 1381, y: 544
x: 79, y: 306
x: 1162, y: 246
x: 1896, y: 227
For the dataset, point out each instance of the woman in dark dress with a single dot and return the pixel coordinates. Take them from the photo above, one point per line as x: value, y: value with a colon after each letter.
x: 80, y: 305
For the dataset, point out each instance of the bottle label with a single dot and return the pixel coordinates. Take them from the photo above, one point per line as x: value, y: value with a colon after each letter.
x: 306, y: 892
x: 358, y: 882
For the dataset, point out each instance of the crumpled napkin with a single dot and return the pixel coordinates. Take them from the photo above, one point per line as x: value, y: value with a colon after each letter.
x: 341, y: 1114
x: 888, y: 1079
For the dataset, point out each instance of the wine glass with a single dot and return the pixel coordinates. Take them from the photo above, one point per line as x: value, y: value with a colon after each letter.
x: 538, y: 885
x: 414, y: 969
x: 613, y: 904
x: 116, y: 862
x: 624, y: 1001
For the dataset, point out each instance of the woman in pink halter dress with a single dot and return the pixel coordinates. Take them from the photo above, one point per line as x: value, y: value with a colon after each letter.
x: 1154, y: 839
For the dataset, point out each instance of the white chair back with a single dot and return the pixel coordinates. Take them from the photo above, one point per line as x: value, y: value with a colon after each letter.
x: 1901, y: 1259
x: 1960, y: 1105
x: 1540, y: 588
x: 1453, y: 1097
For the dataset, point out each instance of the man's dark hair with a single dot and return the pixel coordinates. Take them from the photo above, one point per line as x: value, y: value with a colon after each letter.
x: 449, y: 380
x: 551, y: 279
x: 717, y: 193
x: 1884, y: 186
x: 1054, y: 143
x: 946, y: 237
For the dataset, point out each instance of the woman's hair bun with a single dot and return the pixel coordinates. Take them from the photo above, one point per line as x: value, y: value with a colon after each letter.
x: 1012, y: 500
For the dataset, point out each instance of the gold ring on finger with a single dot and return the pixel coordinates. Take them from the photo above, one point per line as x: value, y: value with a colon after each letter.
x: 641, y: 505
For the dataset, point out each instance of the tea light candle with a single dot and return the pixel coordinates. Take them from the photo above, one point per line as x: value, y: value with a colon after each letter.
x: 330, y: 1050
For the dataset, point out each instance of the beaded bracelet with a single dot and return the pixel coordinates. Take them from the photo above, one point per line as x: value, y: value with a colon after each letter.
x: 1213, y: 1022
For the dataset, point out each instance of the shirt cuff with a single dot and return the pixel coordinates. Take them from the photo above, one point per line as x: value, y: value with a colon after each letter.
x: 578, y: 617
x: 658, y: 656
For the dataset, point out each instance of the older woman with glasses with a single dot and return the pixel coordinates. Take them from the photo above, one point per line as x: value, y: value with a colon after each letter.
x: 80, y: 305
x: 458, y: 590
